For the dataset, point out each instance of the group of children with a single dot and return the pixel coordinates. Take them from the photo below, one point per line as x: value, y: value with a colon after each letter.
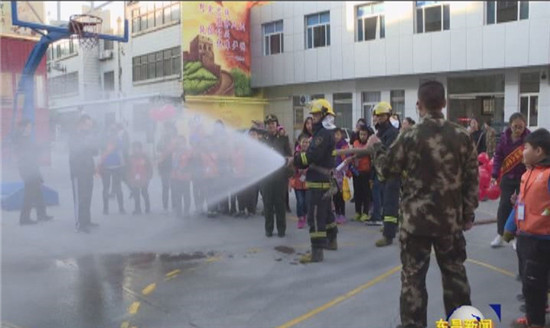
x: 186, y: 168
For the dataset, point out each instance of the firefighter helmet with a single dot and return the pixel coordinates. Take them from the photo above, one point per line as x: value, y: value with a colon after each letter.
x: 382, y: 108
x: 321, y: 106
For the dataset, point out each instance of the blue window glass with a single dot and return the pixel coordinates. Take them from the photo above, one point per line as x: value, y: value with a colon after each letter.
x: 325, y: 17
x: 490, y: 12
x: 382, y: 27
x: 312, y: 19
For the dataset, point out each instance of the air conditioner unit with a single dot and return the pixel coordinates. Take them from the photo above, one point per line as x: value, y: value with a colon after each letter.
x: 106, y: 54
x: 304, y: 99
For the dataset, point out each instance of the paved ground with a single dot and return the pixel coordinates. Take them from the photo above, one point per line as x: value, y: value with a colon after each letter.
x: 158, y: 271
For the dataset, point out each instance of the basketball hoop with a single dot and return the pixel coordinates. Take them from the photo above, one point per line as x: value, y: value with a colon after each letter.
x: 86, y: 28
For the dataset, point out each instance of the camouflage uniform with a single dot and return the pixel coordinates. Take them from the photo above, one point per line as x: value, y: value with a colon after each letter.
x: 439, y: 196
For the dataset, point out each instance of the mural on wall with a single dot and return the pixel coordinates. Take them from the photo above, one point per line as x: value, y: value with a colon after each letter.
x: 216, y: 47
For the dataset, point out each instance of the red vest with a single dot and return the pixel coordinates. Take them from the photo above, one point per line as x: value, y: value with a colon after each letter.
x: 536, y: 197
x: 362, y: 164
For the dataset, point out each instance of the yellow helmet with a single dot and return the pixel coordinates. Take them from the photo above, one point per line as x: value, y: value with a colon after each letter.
x: 321, y: 106
x: 382, y: 108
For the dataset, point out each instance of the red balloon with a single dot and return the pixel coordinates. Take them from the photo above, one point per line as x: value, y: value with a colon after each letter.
x: 482, y: 194
x: 493, y: 192
x: 484, y: 178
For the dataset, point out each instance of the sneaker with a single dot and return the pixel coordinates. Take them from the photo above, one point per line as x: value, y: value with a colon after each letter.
x: 301, y: 222
x: 45, y: 218
x: 83, y: 230
x: 340, y: 219
x: 268, y: 234
x: 357, y: 217
x: 520, y: 323
x: 383, y: 242
x: 514, y: 244
x: 364, y: 218
x: 497, y: 242
x: 92, y: 225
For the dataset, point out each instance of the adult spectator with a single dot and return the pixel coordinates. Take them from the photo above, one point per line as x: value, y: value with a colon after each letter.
x: 478, y: 136
x: 28, y: 154
x: 83, y: 146
x: 490, y: 138
x: 508, y: 168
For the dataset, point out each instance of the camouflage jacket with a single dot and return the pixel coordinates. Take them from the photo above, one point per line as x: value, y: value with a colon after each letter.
x: 440, y: 187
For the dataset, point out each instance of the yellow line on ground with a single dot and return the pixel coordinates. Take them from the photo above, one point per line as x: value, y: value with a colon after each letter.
x: 125, y: 324
x: 213, y: 259
x: 149, y: 289
x: 340, y: 299
x: 492, y: 267
x: 134, y: 308
x: 173, y: 273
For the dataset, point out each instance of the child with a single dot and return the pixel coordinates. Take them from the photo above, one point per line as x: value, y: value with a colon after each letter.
x: 361, y: 179
x: 338, y: 199
x: 139, y: 174
x: 530, y: 221
x: 181, y: 177
x: 298, y: 182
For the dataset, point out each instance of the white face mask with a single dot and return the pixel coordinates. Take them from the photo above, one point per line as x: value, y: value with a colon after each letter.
x: 394, y: 122
x: 328, y: 122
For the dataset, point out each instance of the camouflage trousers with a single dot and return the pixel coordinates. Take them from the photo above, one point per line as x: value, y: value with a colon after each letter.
x: 450, y: 252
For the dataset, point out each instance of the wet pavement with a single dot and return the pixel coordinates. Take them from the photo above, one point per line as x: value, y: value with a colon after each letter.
x: 158, y: 271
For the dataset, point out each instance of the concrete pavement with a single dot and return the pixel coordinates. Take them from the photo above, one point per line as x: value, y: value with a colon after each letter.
x: 158, y: 271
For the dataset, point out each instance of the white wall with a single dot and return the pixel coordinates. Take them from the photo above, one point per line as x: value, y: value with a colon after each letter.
x: 468, y: 45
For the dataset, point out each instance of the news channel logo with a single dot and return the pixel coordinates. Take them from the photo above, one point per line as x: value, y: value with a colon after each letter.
x: 467, y: 316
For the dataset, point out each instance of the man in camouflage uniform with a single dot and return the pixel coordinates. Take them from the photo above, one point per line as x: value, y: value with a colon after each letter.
x: 439, y: 197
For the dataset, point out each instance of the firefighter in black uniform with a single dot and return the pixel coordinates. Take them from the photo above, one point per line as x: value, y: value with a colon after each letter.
x: 275, y: 186
x: 320, y: 161
x: 387, y: 134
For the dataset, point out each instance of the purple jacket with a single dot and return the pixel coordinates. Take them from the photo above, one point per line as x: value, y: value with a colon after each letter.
x: 504, y: 148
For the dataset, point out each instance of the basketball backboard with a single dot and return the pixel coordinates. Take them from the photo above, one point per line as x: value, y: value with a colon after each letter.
x: 53, y: 15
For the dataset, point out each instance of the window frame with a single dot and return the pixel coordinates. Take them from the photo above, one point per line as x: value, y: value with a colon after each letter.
x: 313, y: 27
x: 380, y: 22
x: 152, y: 15
x: 493, y: 6
x: 393, y: 102
x: 267, y: 37
x: 445, y: 11
x: 166, y: 64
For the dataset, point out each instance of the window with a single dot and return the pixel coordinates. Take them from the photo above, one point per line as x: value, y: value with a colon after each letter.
x: 506, y: 11
x: 397, y: 102
x: 109, y: 81
x: 108, y: 45
x: 343, y: 107
x: 63, y: 48
x: 432, y: 16
x: 152, y: 14
x: 273, y: 38
x: 156, y: 64
x: 370, y: 22
x: 318, y: 30
x: 529, y: 87
x: 63, y: 85
x: 369, y: 100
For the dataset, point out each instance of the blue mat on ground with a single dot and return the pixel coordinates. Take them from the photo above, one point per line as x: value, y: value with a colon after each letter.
x: 12, y: 195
